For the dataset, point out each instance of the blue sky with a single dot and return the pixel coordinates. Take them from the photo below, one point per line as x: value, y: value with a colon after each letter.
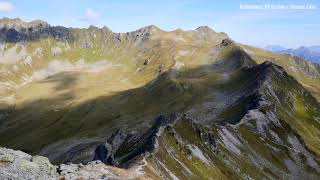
x: 286, y: 27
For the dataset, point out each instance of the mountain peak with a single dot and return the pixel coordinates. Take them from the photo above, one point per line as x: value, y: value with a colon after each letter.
x: 103, y: 93
x: 150, y: 28
x: 226, y: 42
x: 274, y: 48
x: 18, y: 23
x: 204, y: 29
x: 6, y: 19
x: 309, y: 53
x: 268, y: 66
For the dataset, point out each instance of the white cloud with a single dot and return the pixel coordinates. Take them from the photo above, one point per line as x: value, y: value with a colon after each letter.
x: 6, y: 6
x: 90, y: 15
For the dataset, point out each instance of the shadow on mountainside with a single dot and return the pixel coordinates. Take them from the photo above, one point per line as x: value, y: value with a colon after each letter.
x: 213, y: 97
x: 13, y: 35
x: 34, y: 125
x: 62, y: 80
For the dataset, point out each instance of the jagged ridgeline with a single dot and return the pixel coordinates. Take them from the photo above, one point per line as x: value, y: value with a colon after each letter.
x: 177, y: 104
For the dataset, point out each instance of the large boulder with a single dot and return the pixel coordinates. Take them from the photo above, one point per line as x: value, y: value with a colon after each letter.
x: 20, y: 165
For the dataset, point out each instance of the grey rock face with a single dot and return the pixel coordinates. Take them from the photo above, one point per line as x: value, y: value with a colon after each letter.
x: 16, y: 30
x: 20, y: 165
x: 93, y: 170
x: 105, y: 152
x: 135, y: 145
x: 146, y: 62
x: 226, y: 42
x: 303, y: 52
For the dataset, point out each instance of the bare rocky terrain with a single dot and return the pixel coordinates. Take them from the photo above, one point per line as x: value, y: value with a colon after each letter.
x: 152, y: 104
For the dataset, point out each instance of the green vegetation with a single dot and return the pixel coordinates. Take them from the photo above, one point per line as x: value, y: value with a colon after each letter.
x: 63, y: 95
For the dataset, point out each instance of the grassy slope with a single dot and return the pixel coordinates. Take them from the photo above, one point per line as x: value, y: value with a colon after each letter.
x: 261, y: 155
x: 298, y: 70
x: 89, y: 105
x: 85, y: 104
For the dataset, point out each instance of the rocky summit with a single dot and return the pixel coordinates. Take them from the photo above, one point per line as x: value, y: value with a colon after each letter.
x: 89, y: 103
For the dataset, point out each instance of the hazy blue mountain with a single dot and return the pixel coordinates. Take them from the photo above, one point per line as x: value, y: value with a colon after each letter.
x: 274, y: 48
x: 311, y: 53
x: 152, y: 104
x: 315, y: 48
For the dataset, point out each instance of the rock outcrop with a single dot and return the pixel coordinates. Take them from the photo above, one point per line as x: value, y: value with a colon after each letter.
x: 105, y: 152
x: 90, y: 96
x: 120, y: 149
x: 20, y: 166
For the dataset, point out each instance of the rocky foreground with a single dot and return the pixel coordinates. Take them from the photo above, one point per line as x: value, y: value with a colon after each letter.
x: 157, y: 104
x: 20, y: 165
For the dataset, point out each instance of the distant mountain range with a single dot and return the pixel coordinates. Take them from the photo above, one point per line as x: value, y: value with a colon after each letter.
x: 89, y: 103
x: 274, y: 48
x: 311, y: 53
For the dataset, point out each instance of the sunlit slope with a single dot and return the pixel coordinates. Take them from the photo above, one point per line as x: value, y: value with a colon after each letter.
x: 247, y: 125
x: 259, y: 129
x: 86, y: 82
x: 66, y: 91
x: 307, y: 73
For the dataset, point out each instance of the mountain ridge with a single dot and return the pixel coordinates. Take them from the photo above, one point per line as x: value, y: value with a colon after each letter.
x: 20, y: 25
x: 311, y: 53
x: 185, y: 104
